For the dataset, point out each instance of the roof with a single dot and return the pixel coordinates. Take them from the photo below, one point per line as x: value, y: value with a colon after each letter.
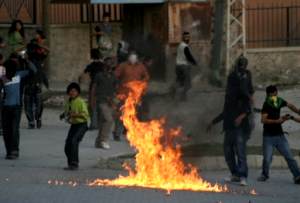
x: 126, y: 1
x: 123, y: 1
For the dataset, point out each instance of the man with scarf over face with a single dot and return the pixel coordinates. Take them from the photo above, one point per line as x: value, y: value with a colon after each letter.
x: 236, y: 120
x: 273, y: 135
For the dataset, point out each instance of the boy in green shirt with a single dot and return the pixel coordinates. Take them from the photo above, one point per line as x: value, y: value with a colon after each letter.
x: 76, y: 113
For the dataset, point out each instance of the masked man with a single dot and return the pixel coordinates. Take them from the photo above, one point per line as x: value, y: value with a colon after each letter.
x: 273, y: 136
x: 131, y: 70
x: 236, y: 120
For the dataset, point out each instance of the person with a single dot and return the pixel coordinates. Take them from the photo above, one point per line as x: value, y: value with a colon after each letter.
x: 12, y: 103
x: 103, y: 93
x: 273, y: 135
x: 184, y: 60
x: 103, y: 35
x: 131, y: 70
x: 237, y: 122
x: 122, y: 51
x: 33, y: 101
x: 92, y: 70
x: 2, y: 43
x: 76, y: 113
x: 2, y: 73
x: 16, y: 37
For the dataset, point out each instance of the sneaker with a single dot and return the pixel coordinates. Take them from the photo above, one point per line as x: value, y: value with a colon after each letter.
x: 38, y: 124
x: 104, y: 145
x: 31, y: 126
x: 243, y: 182
x: 232, y: 178
x: 11, y: 157
x: 71, y: 168
x: 117, y: 138
x: 262, y: 178
x: 297, y: 180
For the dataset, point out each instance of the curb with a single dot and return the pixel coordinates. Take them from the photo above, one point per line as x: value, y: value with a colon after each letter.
x: 205, y: 163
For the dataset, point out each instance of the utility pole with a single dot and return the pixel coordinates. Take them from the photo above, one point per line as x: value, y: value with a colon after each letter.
x: 231, y: 15
x: 235, y: 31
x: 217, y: 41
x: 46, y: 27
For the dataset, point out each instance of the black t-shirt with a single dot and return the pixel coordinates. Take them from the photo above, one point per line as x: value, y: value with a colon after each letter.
x: 94, y: 68
x: 274, y: 114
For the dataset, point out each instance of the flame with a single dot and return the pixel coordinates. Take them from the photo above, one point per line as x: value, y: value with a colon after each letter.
x: 158, y: 159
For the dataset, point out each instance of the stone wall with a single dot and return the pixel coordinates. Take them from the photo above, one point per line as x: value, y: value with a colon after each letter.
x: 275, y: 66
x: 70, y: 50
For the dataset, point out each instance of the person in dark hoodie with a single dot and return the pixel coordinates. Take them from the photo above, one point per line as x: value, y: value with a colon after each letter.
x: 236, y: 118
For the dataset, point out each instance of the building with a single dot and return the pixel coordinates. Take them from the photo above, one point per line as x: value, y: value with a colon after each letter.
x: 154, y: 27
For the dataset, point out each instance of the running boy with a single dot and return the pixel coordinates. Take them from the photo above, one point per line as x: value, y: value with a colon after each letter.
x: 76, y: 113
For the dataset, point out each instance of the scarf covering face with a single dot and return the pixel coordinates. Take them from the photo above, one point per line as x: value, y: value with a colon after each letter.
x: 274, y: 101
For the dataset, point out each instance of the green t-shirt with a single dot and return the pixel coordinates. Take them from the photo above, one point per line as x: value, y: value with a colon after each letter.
x: 15, y: 41
x: 77, y: 105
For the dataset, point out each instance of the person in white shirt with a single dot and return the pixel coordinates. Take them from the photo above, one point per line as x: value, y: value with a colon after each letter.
x: 184, y: 61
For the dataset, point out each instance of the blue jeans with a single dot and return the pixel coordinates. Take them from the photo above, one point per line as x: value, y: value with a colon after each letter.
x: 281, y: 144
x: 235, y: 152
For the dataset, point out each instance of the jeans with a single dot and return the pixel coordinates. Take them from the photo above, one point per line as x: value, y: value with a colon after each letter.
x: 33, y: 104
x: 11, y: 125
x: 281, y: 144
x: 235, y: 152
x: 74, y: 137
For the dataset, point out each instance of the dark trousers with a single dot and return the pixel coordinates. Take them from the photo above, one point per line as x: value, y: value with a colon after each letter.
x: 11, y: 125
x: 235, y: 142
x: 183, y: 80
x: 75, y: 135
x: 33, y: 104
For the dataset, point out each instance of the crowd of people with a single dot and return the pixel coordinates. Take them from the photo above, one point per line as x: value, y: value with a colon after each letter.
x: 22, y: 76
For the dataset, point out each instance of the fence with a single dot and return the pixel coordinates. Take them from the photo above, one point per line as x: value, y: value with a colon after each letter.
x: 79, y: 13
x: 31, y: 12
x: 273, y: 26
x: 18, y: 9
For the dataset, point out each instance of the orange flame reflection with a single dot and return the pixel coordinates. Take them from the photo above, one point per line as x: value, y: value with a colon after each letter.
x: 158, y: 160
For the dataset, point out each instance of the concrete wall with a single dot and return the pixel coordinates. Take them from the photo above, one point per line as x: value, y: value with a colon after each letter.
x: 275, y: 66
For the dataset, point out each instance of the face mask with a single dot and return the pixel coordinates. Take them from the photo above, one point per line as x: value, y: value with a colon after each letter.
x: 133, y: 59
x: 275, y: 100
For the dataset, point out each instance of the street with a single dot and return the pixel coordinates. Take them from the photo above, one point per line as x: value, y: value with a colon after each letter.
x: 38, y: 177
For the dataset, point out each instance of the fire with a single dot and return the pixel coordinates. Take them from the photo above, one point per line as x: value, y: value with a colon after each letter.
x: 158, y: 158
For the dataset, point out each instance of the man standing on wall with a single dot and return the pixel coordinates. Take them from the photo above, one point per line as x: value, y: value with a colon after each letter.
x: 184, y: 60
x: 104, y: 37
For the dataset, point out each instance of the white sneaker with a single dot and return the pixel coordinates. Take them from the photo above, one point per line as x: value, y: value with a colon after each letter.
x: 232, y: 178
x: 243, y: 182
x: 105, y: 145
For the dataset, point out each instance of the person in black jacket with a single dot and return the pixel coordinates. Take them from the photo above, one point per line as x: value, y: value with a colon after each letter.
x: 237, y: 122
x: 33, y: 102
